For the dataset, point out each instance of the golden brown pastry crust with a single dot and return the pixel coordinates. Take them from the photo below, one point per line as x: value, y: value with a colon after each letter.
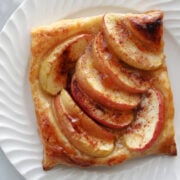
x: 57, y: 149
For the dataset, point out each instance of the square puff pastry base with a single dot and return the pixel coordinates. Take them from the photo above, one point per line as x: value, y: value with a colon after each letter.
x: 43, y: 40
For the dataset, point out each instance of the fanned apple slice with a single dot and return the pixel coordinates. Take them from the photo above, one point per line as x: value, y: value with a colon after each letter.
x: 128, y: 45
x: 90, y: 81
x: 125, y: 78
x: 148, y: 123
x: 81, y: 131
x: 107, y: 117
x: 54, y: 69
x: 148, y: 28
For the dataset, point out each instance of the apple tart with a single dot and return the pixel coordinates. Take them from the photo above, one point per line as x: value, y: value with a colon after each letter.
x: 101, y: 89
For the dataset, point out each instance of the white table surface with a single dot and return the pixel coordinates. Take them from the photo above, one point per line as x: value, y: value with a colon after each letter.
x: 7, y: 171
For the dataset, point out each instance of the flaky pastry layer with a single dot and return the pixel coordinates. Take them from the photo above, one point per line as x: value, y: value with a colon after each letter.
x: 56, y: 147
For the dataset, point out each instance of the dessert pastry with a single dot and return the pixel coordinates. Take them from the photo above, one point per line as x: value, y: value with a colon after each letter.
x: 101, y: 90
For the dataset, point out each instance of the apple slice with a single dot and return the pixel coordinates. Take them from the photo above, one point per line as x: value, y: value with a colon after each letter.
x: 54, y: 69
x: 127, y: 46
x: 126, y: 78
x: 148, y: 30
x: 148, y: 123
x: 90, y: 80
x: 80, y: 130
x: 107, y: 117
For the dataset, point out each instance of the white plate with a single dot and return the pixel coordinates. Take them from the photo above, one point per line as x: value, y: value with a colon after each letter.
x: 18, y: 130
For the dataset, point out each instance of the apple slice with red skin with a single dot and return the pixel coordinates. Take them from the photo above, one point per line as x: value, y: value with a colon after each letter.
x: 125, y: 78
x: 123, y: 42
x: 107, y: 117
x: 91, y: 82
x: 148, y: 122
x: 54, y: 68
x: 82, y: 132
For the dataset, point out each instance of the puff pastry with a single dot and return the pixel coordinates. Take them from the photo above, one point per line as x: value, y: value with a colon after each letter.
x: 101, y: 89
